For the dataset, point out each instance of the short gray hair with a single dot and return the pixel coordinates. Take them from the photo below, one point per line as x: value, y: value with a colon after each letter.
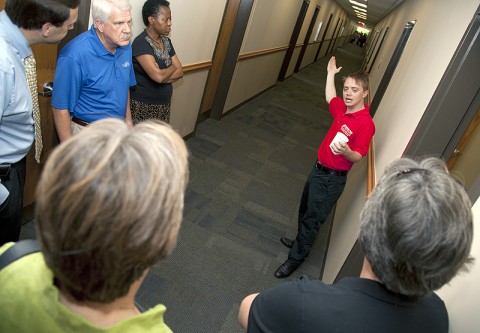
x: 416, y: 228
x: 102, y: 9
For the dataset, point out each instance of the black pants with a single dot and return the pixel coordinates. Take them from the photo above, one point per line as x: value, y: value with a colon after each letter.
x: 11, y: 208
x: 320, y: 193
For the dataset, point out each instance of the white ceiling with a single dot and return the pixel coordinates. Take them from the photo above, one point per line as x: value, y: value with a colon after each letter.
x: 376, y: 9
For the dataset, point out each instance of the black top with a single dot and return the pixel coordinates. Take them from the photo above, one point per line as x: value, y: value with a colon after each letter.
x: 351, y: 305
x: 147, y: 90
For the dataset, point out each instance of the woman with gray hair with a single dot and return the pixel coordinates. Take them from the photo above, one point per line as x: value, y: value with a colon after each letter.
x: 416, y: 230
x: 109, y: 207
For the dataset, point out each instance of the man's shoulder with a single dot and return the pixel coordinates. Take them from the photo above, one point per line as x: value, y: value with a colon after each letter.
x: 78, y: 46
x: 7, y: 56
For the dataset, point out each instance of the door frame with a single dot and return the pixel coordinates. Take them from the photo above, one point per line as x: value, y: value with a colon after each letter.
x: 293, y: 40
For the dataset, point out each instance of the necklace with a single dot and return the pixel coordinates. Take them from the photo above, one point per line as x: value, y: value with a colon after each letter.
x: 159, y: 42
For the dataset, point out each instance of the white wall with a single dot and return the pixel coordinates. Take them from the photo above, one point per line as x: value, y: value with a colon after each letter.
x: 436, y: 35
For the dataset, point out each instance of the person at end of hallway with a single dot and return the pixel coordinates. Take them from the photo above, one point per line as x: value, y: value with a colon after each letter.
x: 113, y: 214
x: 325, y: 184
x: 94, y: 71
x: 156, y: 64
x: 22, y: 24
x: 416, y: 231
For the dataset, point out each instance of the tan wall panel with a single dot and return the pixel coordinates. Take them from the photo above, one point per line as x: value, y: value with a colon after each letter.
x: 271, y: 24
x: 253, y: 76
x: 187, y: 96
x: 195, y: 27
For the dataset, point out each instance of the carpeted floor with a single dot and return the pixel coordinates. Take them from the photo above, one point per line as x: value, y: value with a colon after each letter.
x: 247, y: 173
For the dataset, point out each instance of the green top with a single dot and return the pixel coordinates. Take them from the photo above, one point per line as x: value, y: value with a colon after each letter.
x: 29, y: 302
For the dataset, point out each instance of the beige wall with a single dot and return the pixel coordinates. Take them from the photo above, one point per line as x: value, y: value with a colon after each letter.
x: 270, y: 26
x: 195, y: 27
x: 461, y: 294
x: 418, y: 73
x: 194, y: 34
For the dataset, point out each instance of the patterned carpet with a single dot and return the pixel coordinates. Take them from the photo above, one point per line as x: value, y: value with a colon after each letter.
x: 247, y: 173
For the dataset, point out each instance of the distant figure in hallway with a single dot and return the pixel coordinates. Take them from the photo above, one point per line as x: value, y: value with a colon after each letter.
x: 345, y: 143
x: 109, y: 207
x: 94, y: 71
x: 416, y: 231
x: 362, y: 39
x: 23, y: 23
x: 156, y: 64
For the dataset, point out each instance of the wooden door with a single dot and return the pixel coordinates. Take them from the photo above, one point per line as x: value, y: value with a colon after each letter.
x: 225, y: 34
x: 465, y: 159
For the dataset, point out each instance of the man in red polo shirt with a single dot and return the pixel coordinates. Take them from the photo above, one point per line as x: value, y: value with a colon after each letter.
x: 325, y: 184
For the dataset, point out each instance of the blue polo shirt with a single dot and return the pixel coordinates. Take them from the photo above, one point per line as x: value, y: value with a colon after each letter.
x: 90, y: 81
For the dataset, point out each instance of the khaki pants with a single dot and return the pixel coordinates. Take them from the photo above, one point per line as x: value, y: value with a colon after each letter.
x: 76, y: 127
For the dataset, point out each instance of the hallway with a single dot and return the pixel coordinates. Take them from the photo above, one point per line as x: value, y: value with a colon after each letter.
x: 247, y: 175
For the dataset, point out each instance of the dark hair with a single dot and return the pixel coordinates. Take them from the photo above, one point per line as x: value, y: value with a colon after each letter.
x: 152, y: 8
x: 416, y: 228
x: 32, y: 14
x: 359, y: 77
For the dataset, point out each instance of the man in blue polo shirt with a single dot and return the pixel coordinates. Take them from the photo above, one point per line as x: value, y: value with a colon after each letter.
x: 94, y: 71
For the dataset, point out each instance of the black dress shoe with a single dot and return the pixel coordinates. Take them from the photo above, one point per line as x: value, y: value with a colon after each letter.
x: 287, y: 242
x: 286, y: 269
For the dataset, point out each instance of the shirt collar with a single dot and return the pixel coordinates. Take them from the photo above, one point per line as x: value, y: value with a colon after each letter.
x: 98, y: 47
x: 360, y: 114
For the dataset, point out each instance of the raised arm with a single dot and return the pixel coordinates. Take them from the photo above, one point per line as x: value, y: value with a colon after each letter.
x: 330, y: 91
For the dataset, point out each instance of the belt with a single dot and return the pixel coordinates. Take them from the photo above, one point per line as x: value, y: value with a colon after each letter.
x: 6, y: 167
x: 329, y: 171
x: 5, y: 170
x: 80, y: 122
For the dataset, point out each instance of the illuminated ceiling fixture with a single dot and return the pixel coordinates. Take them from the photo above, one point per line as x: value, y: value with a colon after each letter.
x: 360, y: 9
x: 358, y: 3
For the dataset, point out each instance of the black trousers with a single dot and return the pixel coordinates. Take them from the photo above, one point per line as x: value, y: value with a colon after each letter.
x: 320, y: 193
x: 11, y: 208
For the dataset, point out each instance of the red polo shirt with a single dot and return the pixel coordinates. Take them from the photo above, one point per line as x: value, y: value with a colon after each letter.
x: 357, y: 126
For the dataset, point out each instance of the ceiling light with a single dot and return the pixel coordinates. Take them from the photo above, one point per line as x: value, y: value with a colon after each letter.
x: 358, y: 3
x: 360, y: 9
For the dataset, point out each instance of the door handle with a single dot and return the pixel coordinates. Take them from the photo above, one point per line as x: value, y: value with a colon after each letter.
x: 47, y: 89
